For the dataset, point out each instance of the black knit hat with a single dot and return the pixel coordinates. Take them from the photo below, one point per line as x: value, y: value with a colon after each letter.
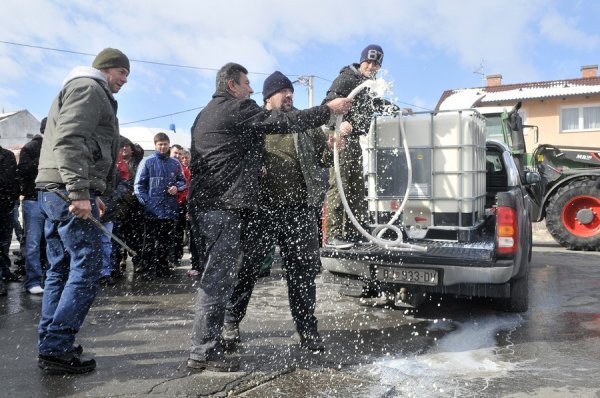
x: 43, y: 125
x: 372, y: 52
x: 111, y: 58
x: 275, y: 82
x: 124, y: 141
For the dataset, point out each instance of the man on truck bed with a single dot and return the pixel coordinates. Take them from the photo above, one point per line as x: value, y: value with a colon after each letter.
x: 341, y: 233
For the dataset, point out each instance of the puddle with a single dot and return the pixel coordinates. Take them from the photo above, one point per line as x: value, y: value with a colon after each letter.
x: 461, y: 363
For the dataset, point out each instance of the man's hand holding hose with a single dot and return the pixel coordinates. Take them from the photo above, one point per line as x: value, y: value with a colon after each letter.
x: 83, y: 209
x: 345, y: 130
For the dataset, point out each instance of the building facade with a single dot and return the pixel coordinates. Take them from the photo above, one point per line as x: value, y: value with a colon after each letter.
x: 567, y: 111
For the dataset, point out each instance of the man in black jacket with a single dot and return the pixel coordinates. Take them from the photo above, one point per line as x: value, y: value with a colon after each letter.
x: 227, y: 147
x: 291, y: 189
x: 340, y: 231
x: 8, y: 196
x: 33, y: 220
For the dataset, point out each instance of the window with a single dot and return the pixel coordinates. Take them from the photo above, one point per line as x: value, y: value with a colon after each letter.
x: 591, y: 117
x: 493, y: 125
x: 580, y: 118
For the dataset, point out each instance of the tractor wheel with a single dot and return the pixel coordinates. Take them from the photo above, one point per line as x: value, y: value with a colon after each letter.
x: 573, y: 216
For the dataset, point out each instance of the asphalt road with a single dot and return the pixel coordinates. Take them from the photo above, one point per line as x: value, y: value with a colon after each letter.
x: 139, y: 333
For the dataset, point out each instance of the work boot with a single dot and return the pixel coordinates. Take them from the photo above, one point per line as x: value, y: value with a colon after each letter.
x: 312, y: 343
x: 214, y: 365
x: 9, y: 276
x: 107, y: 280
x: 230, y: 335
x: 77, y: 349
x: 68, y: 363
x: 20, y: 270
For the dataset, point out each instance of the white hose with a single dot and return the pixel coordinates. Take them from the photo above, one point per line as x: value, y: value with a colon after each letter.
x: 379, y: 229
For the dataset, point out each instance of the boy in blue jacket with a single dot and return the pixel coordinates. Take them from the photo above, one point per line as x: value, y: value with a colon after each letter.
x: 158, y: 180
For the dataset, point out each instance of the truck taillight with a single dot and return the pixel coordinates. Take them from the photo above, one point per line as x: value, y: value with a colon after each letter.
x: 506, y: 230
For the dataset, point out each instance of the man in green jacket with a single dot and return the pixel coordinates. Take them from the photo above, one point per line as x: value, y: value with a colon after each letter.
x: 78, y: 158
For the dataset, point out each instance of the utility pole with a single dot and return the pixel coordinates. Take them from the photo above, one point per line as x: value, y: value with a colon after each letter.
x: 310, y: 82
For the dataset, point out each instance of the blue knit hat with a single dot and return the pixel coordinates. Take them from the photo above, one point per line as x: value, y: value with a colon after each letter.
x: 275, y: 82
x: 372, y: 52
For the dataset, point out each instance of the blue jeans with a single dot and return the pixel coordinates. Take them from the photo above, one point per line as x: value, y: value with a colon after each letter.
x: 74, y: 250
x: 221, y: 230
x: 33, y: 224
x: 107, y: 250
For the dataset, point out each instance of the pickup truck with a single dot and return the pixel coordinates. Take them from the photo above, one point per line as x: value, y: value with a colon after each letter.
x: 493, y: 262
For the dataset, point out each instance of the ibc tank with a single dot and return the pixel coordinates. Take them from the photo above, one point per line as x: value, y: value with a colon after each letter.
x: 448, y: 159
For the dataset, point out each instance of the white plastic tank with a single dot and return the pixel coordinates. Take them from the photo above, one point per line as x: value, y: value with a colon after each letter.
x: 448, y: 161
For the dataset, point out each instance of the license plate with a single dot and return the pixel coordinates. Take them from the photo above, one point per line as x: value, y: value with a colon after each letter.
x: 408, y: 275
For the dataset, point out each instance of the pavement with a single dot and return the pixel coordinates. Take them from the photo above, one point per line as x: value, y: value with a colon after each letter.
x: 139, y: 333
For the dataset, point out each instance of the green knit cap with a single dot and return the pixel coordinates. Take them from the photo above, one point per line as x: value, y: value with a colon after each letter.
x: 111, y: 58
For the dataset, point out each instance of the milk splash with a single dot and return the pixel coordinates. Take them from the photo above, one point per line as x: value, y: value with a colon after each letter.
x: 462, y: 363
x: 378, y: 88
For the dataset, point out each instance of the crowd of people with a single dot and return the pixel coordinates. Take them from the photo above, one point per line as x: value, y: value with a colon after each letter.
x: 252, y: 179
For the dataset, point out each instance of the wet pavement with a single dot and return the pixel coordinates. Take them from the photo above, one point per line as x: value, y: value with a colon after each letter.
x: 139, y: 333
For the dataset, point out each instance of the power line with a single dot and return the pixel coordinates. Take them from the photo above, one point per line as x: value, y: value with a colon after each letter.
x: 414, y: 106
x: 163, y: 64
x: 161, y: 116
x: 93, y: 55
x: 131, y: 59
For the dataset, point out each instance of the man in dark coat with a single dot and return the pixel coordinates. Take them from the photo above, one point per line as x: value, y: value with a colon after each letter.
x: 227, y: 147
x: 8, y: 196
x: 290, y: 190
x: 33, y: 220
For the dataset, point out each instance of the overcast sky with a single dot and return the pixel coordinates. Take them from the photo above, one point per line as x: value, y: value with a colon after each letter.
x: 429, y: 46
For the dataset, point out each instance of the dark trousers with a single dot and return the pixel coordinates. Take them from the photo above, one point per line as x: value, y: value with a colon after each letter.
x: 221, y: 231
x: 176, y: 251
x: 337, y: 222
x: 294, y: 229
x: 198, y: 253
x: 130, y: 228
x: 6, y: 230
x: 157, y: 243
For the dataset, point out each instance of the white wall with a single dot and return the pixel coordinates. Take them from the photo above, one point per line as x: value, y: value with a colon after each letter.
x: 17, y: 129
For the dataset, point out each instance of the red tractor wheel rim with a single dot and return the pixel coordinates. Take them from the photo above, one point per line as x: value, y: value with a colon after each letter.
x: 584, y: 204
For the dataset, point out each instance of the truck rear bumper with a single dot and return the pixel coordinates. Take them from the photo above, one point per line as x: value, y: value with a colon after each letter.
x: 469, y: 269
x: 448, y: 275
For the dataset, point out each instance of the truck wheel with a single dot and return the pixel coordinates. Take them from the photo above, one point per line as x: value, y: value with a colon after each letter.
x: 573, y: 216
x: 519, y: 296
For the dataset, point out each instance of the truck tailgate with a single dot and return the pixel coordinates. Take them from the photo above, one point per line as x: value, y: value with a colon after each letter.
x: 477, y: 254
